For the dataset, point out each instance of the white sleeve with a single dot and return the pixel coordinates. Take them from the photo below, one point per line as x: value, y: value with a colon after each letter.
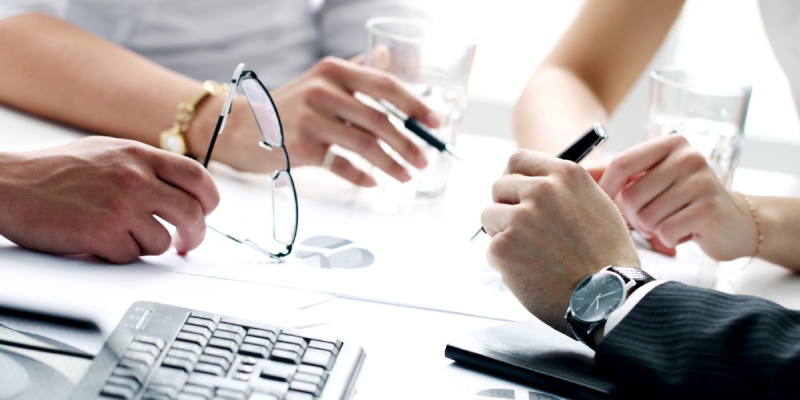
x: 10, y: 8
x: 342, y: 23
x: 619, y: 314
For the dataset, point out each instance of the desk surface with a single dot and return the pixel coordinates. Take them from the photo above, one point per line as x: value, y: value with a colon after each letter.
x: 403, y: 344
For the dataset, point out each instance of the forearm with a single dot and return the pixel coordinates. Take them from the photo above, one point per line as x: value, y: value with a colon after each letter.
x: 555, y: 108
x: 695, y: 343
x: 8, y: 173
x: 57, y: 71
x: 780, y: 225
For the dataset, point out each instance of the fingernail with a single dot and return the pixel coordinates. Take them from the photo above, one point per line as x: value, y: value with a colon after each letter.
x: 432, y: 119
x: 405, y: 177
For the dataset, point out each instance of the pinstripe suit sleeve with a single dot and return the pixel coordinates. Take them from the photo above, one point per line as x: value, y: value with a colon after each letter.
x: 697, y: 343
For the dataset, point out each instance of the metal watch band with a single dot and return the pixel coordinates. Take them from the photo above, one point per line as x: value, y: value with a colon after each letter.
x: 632, y: 274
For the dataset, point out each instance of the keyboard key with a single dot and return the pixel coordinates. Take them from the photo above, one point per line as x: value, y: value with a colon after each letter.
x: 127, y: 382
x: 268, y: 386
x: 176, y: 362
x: 324, y: 346
x: 209, y: 359
x: 139, y: 369
x: 249, y: 361
x: 124, y: 371
x: 289, y: 347
x: 224, y: 344
x: 153, y: 395
x: 183, y: 354
x: 158, y: 342
x: 277, y: 371
x: 320, y: 358
x: 229, y: 335
x: 293, y: 339
x: 227, y: 355
x: 186, y: 346
x: 205, y: 392
x: 191, y: 396
x: 211, y: 381
x: 294, y: 395
x: 199, y: 340
x: 169, y: 378
x: 206, y: 323
x: 204, y: 315
x: 253, y: 350
x: 262, y: 396
x: 145, y: 348
x: 259, y: 341
x: 240, y: 376
x: 269, y: 335
x: 313, y: 336
x: 205, y: 332
x: 120, y: 392
x: 310, y: 378
x: 141, y: 356
x: 250, y: 324
x: 245, y: 369
x: 209, y: 369
x: 231, y: 328
x: 231, y: 394
x: 301, y: 386
x: 285, y: 356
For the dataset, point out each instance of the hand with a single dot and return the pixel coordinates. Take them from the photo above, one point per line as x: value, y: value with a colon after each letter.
x: 551, y: 227
x: 670, y: 194
x: 318, y: 110
x: 99, y: 195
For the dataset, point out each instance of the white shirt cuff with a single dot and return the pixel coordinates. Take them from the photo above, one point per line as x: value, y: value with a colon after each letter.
x: 619, y: 314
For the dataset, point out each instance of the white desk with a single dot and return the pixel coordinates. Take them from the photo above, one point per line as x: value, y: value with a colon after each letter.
x: 404, y: 345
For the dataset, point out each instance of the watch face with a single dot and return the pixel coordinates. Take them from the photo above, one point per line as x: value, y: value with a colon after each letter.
x: 597, y: 296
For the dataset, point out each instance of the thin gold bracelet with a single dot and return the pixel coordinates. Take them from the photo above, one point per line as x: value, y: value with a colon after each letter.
x: 757, y: 220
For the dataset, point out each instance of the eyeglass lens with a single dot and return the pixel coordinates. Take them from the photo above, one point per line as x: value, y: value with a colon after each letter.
x: 264, y: 111
x: 284, y: 208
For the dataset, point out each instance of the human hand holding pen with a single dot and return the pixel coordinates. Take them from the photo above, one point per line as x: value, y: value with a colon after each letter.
x: 575, y: 152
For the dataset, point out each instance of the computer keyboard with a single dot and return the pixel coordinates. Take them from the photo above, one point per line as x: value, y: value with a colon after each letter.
x: 171, y: 353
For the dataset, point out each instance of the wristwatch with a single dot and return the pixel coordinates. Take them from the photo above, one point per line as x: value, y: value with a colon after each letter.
x: 597, y: 296
x: 173, y: 139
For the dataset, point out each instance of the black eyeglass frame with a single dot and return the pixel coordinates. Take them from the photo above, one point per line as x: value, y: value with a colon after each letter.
x: 238, y: 76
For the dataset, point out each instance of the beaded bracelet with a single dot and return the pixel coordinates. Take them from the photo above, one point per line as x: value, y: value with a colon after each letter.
x: 758, y: 225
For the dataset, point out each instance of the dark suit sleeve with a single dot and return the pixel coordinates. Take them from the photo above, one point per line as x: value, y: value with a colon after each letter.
x: 694, y: 343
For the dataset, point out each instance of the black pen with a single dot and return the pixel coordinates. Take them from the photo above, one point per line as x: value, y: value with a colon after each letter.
x: 575, y: 152
x: 420, y: 130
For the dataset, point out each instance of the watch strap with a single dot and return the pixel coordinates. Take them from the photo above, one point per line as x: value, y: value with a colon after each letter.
x: 632, y: 274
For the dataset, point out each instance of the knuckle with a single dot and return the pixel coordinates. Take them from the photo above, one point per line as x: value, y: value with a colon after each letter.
x: 518, y: 159
x: 379, y: 121
x: 386, y: 84
x: 647, y: 220
x: 129, y: 179
x: 573, y: 171
x: 316, y: 94
x: 693, y: 160
x: 328, y: 66
x: 676, y: 140
x: 365, y: 144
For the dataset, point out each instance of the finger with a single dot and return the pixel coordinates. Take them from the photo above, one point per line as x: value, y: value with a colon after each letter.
x: 680, y: 225
x: 357, y: 140
x: 380, y: 85
x: 509, y: 188
x: 658, y: 246
x: 185, y: 213
x: 339, y: 105
x: 152, y: 237
x: 358, y: 60
x: 495, y: 218
x: 533, y: 163
x: 637, y: 160
x: 118, y: 249
x: 346, y: 170
x: 188, y: 176
x: 596, y: 172
x: 650, y: 186
x: 672, y: 200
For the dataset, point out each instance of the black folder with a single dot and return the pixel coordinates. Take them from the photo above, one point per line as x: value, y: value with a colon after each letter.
x: 534, y: 354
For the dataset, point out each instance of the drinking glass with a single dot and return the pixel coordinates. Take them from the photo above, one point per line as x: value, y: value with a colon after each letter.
x: 709, y: 111
x: 434, y: 62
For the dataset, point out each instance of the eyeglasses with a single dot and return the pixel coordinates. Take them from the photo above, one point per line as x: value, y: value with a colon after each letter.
x: 284, y: 195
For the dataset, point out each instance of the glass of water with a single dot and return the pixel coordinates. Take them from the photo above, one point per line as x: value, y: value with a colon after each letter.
x: 710, y: 112
x: 434, y: 62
